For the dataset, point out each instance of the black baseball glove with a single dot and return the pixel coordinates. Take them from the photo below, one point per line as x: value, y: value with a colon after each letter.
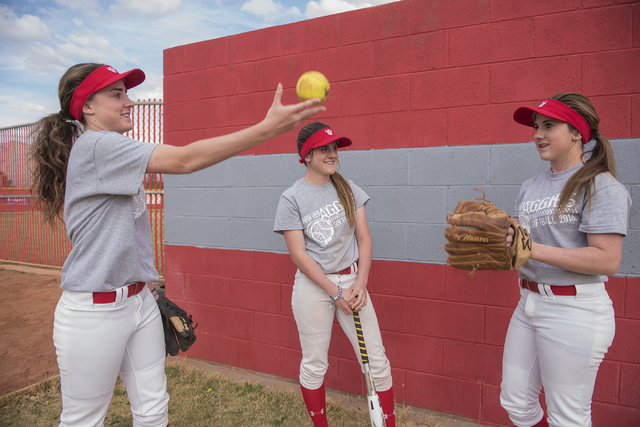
x: 178, y: 326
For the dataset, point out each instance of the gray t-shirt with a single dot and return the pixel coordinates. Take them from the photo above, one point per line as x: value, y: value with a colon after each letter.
x: 535, y: 207
x: 317, y: 211
x: 105, y: 212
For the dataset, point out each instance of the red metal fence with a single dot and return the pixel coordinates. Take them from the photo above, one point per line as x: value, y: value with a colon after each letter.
x: 24, y: 238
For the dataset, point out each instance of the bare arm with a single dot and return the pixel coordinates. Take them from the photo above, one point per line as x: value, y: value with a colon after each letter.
x: 602, y: 256
x: 301, y: 259
x: 365, y: 250
x: 207, y: 152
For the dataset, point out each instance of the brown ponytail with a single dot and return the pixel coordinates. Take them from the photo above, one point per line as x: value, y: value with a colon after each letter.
x: 601, y: 159
x: 54, y: 137
x: 345, y: 194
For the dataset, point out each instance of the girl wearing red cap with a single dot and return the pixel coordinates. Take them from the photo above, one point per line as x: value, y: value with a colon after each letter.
x: 107, y: 322
x: 576, y: 214
x: 322, y: 218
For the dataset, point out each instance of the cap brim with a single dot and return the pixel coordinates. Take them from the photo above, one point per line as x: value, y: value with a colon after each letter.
x: 524, y: 115
x: 343, y: 141
x: 133, y: 78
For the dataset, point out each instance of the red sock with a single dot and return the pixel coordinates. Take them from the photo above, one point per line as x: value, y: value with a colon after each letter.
x: 543, y: 423
x: 388, y: 407
x: 316, y: 405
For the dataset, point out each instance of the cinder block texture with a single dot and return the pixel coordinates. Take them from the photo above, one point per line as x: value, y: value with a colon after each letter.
x: 485, y: 58
x: 232, y: 205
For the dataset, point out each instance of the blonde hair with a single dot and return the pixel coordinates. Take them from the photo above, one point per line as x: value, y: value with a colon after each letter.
x: 601, y: 159
x: 345, y: 194
x: 54, y: 137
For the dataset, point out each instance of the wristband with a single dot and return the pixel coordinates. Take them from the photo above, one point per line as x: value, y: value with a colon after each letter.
x: 333, y: 300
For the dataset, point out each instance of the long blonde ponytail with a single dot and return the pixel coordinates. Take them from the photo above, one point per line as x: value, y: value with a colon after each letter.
x: 601, y: 159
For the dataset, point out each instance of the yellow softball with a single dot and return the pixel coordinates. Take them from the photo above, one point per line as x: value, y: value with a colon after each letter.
x: 312, y: 84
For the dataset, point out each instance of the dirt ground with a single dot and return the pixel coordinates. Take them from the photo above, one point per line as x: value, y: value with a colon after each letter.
x: 27, y: 303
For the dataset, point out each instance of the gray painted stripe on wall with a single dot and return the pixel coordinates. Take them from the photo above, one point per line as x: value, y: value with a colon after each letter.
x: 232, y: 205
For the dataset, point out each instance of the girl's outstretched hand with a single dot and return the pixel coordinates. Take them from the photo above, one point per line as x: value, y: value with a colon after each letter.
x: 283, y: 118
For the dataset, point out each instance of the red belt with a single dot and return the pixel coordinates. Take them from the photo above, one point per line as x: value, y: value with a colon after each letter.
x: 346, y: 270
x: 107, y: 297
x: 557, y: 290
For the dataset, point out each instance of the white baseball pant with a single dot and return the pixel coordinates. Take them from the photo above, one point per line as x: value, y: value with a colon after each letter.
x: 314, y: 315
x: 556, y: 342
x: 96, y: 342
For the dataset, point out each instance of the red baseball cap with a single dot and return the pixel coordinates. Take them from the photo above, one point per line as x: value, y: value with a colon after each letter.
x: 322, y: 137
x: 556, y: 110
x: 99, y: 79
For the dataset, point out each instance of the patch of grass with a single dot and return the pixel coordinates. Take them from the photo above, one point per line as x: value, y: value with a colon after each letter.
x: 198, y: 399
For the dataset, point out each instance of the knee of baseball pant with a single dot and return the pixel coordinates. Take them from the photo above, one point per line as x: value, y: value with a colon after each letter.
x: 152, y: 411
x: 156, y: 416
x: 521, y: 412
x: 312, y: 375
x: 148, y: 396
x: 82, y: 412
x: 381, y: 375
x: 568, y: 407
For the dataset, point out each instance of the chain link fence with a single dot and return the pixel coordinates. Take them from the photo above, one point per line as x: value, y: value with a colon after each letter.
x: 24, y: 237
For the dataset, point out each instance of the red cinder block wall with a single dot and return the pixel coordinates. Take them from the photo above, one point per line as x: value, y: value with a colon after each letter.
x: 407, y: 74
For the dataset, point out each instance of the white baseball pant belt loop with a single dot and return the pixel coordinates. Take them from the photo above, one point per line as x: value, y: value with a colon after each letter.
x: 549, y: 291
x: 352, y: 269
x: 545, y: 291
x: 121, y: 294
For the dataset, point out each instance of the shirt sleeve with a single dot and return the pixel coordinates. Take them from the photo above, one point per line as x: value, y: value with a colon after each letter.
x: 287, y: 216
x: 121, y: 163
x: 609, y: 212
x: 359, y: 195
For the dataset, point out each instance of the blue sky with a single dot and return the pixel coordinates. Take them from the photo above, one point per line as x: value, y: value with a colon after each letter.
x: 40, y: 39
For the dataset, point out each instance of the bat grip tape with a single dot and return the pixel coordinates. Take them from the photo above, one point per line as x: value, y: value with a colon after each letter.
x: 363, y: 348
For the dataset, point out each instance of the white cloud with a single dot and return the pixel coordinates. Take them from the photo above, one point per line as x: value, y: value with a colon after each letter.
x: 149, y: 94
x: 42, y: 58
x: 149, y: 7
x: 88, y: 7
x: 79, y: 4
x: 261, y: 7
x: 329, y: 7
x: 22, y: 107
x: 119, y: 57
x: 90, y: 40
x: 82, y: 53
x: 78, y: 22
x: 26, y: 27
x: 269, y: 10
x: 89, y: 47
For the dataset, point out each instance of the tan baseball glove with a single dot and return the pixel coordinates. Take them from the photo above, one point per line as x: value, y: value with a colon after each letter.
x: 477, y: 238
